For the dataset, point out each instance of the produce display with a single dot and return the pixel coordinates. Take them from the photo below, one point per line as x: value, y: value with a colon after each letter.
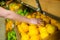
x: 34, y: 32
x: 30, y: 31
x: 11, y: 35
x: 9, y: 25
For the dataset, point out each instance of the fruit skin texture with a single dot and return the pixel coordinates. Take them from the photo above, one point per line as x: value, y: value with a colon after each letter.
x: 17, y: 23
x: 33, y: 30
x: 9, y: 25
x: 35, y: 37
x: 50, y: 28
x: 20, y: 29
x: 38, y: 16
x: 29, y: 16
x: 25, y: 37
x: 43, y: 32
x: 14, y: 6
x: 23, y: 27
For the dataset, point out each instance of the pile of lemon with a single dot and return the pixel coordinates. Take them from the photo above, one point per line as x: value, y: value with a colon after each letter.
x: 34, y: 32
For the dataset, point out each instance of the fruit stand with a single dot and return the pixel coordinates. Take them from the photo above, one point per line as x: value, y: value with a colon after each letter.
x: 15, y: 30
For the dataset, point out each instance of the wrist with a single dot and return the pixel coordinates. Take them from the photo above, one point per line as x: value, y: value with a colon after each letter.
x: 27, y: 20
x: 33, y: 21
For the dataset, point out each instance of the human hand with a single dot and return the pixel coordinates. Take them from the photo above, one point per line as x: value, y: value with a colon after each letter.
x: 35, y: 21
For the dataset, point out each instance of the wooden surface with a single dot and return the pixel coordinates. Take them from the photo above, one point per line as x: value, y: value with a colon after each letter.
x: 30, y: 2
x: 2, y: 29
x: 50, y: 6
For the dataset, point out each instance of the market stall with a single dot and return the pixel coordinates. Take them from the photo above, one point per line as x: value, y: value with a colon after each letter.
x: 49, y: 29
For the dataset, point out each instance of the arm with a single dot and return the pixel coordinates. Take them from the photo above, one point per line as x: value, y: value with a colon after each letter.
x: 12, y: 15
x: 17, y: 17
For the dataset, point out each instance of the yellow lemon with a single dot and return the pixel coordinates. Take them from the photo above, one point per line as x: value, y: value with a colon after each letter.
x: 43, y: 32
x: 16, y: 7
x: 29, y: 16
x: 46, y: 19
x: 43, y: 16
x: 35, y: 37
x: 25, y: 27
x: 38, y: 16
x: 9, y: 25
x: 50, y: 28
x: 33, y: 30
x: 20, y: 29
x: 17, y: 23
x: 44, y: 35
x: 25, y: 37
x: 33, y: 15
x: 38, y: 13
x: 13, y: 6
x: 42, y: 29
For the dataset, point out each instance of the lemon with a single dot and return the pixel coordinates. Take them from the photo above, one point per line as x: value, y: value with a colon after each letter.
x: 16, y: 7
x: 43, y: 32
x: 50, y: 28
x: 42, y: 29
x: 38, y: 13
x: 9, y: 25
x: 25, y: 37
x: 46, y: 19
x: 38, y: 16
x: 33, y: 30
x: 35, y: 37
x: 20, y: 29
x: 17, y: 23
x: 13, y: 6
x: 29, y: 16
x: 33, y: 15
x: 24, y: 27
x: 44, y: 35
x: 43, y: 16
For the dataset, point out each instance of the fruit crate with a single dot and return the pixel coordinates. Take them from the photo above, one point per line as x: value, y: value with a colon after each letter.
x: 47, y: 24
